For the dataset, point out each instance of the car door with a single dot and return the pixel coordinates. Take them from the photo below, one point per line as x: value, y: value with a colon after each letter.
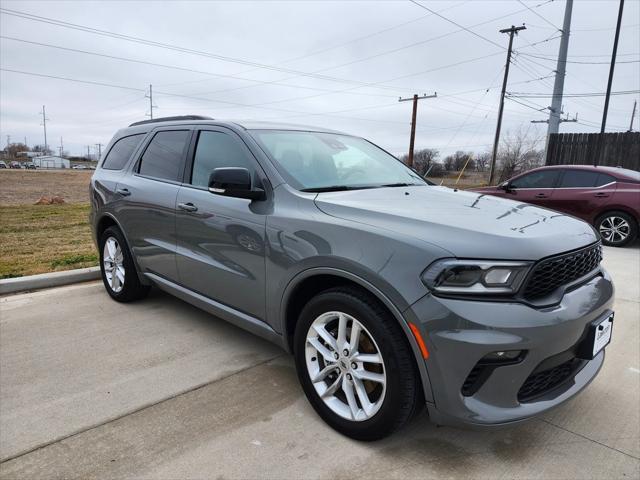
x: 221, y: 240
x: 583, y: 193
x: 148, y: 214
x: 535, y: 187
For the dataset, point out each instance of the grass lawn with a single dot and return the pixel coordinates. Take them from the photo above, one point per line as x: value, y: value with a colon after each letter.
x: 45, y: 238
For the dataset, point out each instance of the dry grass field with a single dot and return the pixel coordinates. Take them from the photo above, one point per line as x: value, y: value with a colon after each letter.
x: 25, y: 187
x: 44, y: 238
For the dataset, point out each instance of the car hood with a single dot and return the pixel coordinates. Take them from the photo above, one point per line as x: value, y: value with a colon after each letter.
x: 467, y: 224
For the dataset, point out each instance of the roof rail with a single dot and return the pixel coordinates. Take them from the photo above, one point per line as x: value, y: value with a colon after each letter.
x: 171, y: 119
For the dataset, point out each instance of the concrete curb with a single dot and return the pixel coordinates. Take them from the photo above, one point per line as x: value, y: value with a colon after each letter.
x: 48, y: 280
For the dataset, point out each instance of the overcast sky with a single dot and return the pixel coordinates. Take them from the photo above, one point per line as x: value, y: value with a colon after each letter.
x: 332, y: 64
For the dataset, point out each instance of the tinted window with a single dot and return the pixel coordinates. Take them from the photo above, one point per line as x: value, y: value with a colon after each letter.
x: 163, y: 157
x: 603, y: 179
x: 578, y: 178
x: 121, y: 152
x: 215, y: 150
x: 539, y: 179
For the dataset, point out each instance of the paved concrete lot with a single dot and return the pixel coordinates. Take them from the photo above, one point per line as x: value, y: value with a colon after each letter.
x: 93, y: 389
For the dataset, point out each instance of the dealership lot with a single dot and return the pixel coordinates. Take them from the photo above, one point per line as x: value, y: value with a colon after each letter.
x: 90, y: 388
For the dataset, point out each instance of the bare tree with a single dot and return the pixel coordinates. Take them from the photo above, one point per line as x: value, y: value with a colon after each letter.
x: 482, y: 161
x: 458, y: 161
x: 519, y: 152
x: 423, y: 159
x: 13, y: 148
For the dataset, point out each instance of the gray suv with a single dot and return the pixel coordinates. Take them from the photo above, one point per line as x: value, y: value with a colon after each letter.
x: 390, y: 292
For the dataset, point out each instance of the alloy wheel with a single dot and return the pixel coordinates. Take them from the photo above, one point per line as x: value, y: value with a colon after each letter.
x: 345, y: 366
x: 614, y: 229
x: 113, y: 261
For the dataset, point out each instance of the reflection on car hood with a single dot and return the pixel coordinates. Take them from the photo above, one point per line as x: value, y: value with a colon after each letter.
x: 470, y: 225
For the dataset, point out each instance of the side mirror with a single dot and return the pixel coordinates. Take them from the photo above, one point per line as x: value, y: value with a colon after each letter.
x: 506, y: 186
x: 234, y: 182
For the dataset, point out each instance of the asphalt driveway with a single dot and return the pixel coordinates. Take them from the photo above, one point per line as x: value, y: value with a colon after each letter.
x: 90, y: 388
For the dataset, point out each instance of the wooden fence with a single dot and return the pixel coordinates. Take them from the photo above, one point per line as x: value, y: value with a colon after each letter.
x: 612, y: 149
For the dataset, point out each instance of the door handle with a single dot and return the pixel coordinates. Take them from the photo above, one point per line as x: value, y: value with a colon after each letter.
x: 541, y: 195
x: 601, y: 194
x: 123, y: 191
x: 188, y: 207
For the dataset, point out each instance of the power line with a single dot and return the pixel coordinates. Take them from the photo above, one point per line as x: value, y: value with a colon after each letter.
x: 575, y: 61
x: 570, y: 95
x: 173, y: 67
x: 458, y: 25
x: 537, y: 108
x: 538, y: 15
x: 143, y: 91
x: 167, y: 46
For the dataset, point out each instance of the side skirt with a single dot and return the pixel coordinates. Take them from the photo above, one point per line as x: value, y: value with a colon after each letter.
x: 229, y: 314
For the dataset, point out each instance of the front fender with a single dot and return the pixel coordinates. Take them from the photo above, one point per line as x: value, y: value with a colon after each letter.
x: 374, y: 290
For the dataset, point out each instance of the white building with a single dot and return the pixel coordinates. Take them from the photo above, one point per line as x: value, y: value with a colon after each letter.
x: 29, y: 154
x: 51, y: 161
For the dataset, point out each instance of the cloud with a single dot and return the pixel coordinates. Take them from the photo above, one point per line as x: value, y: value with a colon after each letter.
x: 332, y: 64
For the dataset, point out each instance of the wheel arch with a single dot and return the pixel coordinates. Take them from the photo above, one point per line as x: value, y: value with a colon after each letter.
x: 107, y: 220
x: 313, y: 281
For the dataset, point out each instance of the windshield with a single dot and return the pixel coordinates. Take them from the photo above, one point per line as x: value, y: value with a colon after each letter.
x: 312, y: 161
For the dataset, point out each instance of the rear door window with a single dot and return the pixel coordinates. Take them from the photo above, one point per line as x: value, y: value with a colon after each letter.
x: 164, y: 156
x: 578, y: 179
x: 539, y: 179
x: 121, y: 152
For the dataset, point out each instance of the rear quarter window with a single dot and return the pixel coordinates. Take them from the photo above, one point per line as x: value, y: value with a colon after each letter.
x: 121, y: 152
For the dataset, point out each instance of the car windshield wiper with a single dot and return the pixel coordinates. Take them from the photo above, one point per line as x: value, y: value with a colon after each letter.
x: 401, y: 184
x: 337, y: 188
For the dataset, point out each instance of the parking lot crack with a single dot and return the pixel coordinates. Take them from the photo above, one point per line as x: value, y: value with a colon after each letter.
x: 589, y: 439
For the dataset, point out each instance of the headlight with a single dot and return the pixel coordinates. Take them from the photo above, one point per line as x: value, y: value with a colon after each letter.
x: 452, y: 276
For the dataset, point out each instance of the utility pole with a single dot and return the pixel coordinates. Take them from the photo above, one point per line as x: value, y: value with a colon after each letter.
x: 99, y: 145
x: 25, y: 141
x: 151, y: 105
x: 558, y: 85
x: 511, y: 31
x: 611, y: 68
x: 412, y: 140
x: 44, y: 125
x: 61, y: 147
x: 633, y: 114
x: 8, y: 140
x: 596, y: 158
x: 88, y: 153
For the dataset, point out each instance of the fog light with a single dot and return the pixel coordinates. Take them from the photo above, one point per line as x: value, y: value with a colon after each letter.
x: 506, y: 355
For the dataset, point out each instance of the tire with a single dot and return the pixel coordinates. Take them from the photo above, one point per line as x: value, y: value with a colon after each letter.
x: 393, y: 402
x: 130, y: 289
x: 616, y: 228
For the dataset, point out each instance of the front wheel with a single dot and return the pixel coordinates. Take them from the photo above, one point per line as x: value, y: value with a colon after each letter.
x: 119, y: 273
x: 617, y: 229
x: 355, y: 364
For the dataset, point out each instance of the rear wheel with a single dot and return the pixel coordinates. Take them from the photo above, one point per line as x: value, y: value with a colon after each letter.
x: 617, y: 228
x: 119, y: 273
x: 355, y: 364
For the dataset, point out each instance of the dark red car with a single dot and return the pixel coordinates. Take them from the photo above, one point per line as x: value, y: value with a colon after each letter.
x: 606, y: 197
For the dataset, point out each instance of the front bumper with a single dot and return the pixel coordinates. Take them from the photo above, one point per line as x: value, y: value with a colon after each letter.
x: 459, y: 333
